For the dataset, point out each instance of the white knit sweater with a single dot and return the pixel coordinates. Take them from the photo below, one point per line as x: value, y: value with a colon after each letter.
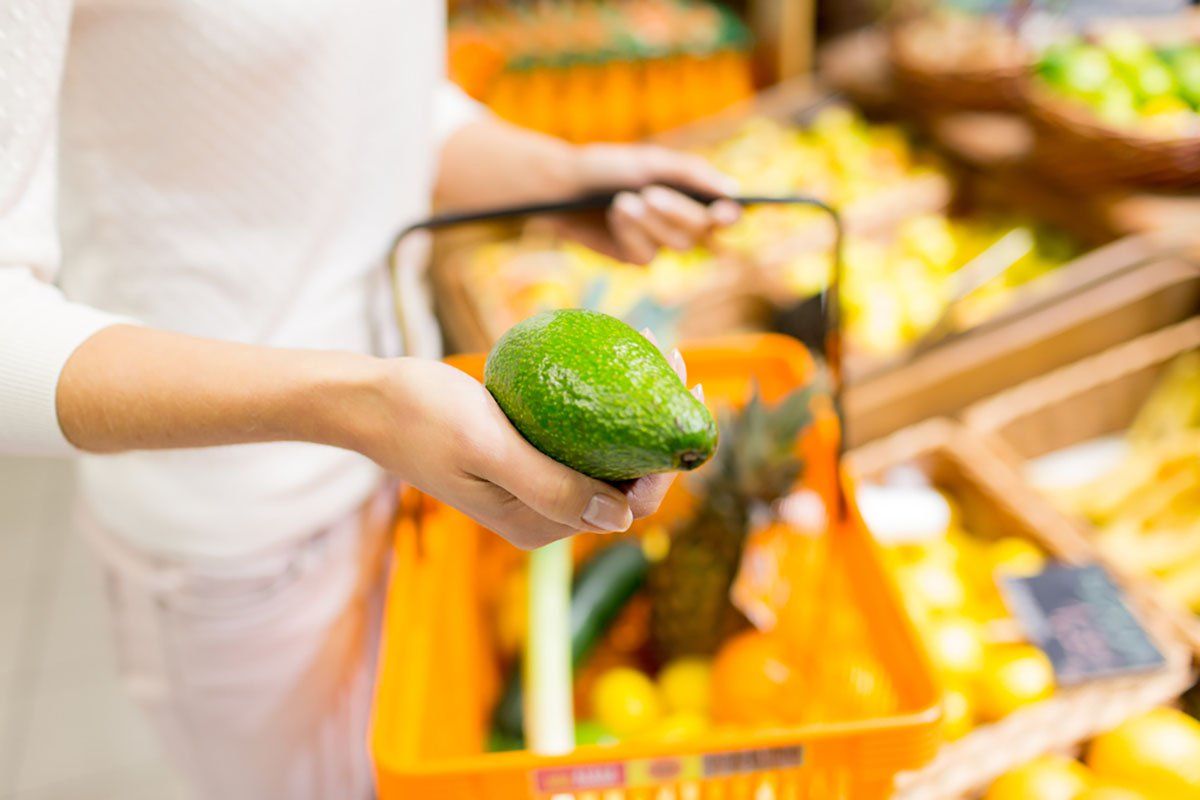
x: 226, y: 168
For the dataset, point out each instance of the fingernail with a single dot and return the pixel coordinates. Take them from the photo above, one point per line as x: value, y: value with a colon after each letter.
x: 604, y: 513
x: 678, y: 365
x: 631, y: 204
x: 657, y: 198
x: 649, y: 334
x: 698, y: 392
x: 725, y: 213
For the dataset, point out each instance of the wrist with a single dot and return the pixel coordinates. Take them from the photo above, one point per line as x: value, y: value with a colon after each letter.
x: 344, y: 402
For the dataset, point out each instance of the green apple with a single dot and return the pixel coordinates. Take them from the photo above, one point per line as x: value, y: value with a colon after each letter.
x: 1125, y: 48
x: 1186, y: 66
x: 1085, y: 69
x: 1152, y: 79
x: 1115, y: 103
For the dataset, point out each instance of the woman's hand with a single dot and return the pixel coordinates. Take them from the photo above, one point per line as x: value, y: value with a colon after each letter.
x: 649, y: 216
x: 440, y: 429
x: 491, y: 163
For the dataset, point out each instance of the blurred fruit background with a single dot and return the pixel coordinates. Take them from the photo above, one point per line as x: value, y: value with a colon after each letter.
x: 972, y: 253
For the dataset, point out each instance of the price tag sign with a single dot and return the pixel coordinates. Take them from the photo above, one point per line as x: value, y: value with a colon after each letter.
x: 1080, y: 619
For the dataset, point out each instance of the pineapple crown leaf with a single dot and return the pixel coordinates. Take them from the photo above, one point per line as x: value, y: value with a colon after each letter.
x: 757, y: 460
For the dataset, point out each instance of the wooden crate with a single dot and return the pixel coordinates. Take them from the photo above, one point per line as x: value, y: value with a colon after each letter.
x: 1094, y: 397
x: 1101, y: 304
x: 995, y: 501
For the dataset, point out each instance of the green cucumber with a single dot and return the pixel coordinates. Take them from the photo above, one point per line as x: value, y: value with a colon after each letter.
x: 604, y: 585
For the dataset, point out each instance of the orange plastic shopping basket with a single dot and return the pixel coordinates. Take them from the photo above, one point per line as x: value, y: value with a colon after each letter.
x: 439, y: 675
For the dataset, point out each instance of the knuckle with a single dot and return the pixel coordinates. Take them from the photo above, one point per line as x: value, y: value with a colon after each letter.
x: 560, y: 495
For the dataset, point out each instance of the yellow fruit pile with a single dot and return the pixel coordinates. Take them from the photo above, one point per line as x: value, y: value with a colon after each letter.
x: 1147, y: 508
x: 948, y: 581
x: 631, y: 706
x: 839, y: 157
x: 897, y: 290
x: 1155, y: 756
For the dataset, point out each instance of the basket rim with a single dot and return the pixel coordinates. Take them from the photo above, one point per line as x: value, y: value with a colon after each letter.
x: 1051, y: 110
x: 910, y: 730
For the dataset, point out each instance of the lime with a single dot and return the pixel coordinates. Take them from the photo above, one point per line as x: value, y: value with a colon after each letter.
x: 589, y: 732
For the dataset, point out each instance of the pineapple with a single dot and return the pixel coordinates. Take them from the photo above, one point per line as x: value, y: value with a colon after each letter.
x: 755, y: 465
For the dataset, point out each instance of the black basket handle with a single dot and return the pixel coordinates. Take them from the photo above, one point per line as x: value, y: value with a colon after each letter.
x: 816, y: 322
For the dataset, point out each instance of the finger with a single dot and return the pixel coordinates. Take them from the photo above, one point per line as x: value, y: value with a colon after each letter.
x: 646, y: 494
x: 626, y: 219
x: 596, y: 235
x: 557, y: 492
x: 724, y: 212
x: 676, y: 362
x: 662, y: 231
x: 650, y: 337
x: 500, y: 512
x: 525, y: 528
x: 685, y: 170
x: 682, y: 212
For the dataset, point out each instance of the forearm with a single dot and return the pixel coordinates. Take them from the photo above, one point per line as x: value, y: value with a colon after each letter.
x: 129, y: 388
x: 490, y: 162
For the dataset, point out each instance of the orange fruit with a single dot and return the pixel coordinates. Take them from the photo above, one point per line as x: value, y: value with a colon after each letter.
x: 749, y: 678
x: 1157, y: 752
x: 1049, y: 777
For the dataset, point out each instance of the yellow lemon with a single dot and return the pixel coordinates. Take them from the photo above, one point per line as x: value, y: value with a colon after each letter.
x: 1013, y: 555
x: 955, y: 646
x: 625, y: 701
x: 1013, y: 675
x: 937, y: 584
x: 957, y: 716
x: 678, y: 727
x: 685, y: 685
x: 1049, y: 777
x: 1157, y: 752
x: 1110, y: 791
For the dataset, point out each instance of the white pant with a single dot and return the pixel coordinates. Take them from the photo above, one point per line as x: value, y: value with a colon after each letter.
x: 257, y: 674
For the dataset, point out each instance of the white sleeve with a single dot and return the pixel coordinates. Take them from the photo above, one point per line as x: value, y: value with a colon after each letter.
x: 452, y: 109
x: 39, y: 329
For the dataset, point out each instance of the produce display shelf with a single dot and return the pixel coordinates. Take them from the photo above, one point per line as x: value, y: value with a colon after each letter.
x: 1094, y: 397
x: 993, y: 497
x: 1125, y: 299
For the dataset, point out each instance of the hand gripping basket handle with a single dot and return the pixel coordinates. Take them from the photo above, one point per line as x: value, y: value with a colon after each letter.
x: 825, y: 336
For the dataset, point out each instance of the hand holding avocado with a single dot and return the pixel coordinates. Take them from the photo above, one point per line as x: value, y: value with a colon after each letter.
x: 442, y: 431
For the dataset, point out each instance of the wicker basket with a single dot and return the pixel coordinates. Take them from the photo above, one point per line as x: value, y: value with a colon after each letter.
x: 1075, y: 147
x: 993, y: 496
x: 1097, y: 396
x: 934, y: 86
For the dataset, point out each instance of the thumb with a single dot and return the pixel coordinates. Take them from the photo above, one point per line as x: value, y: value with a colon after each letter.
x: 558, y: 492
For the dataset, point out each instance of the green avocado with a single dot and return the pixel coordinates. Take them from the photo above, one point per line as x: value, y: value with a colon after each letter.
x: 591, y: 392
